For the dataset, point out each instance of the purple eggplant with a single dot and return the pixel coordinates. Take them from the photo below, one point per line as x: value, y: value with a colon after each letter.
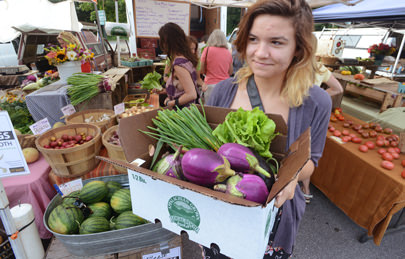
x: 248, y: 186
x: 241, y: 159
x: 205, y: 167
x: 170, y: 165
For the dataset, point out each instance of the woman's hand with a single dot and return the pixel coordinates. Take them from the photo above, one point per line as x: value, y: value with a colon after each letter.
x: 204, y: 87
x: 286, y: 194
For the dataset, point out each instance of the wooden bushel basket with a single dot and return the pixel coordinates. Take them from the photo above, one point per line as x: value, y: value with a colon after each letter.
x: 114, y: 151
x: 74, y: 161
x: 80, y: 117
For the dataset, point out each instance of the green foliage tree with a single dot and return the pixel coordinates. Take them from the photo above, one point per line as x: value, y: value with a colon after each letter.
x: 107, y: 5
x: 232, y: 19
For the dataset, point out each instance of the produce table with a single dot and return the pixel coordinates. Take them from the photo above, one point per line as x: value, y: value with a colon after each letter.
x: 47, y: 101
x: 358, y: 185
x: 382, y: 90
x: 34, y: 189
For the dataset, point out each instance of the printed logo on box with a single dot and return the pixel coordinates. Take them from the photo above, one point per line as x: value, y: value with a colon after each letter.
x: 184, y: 213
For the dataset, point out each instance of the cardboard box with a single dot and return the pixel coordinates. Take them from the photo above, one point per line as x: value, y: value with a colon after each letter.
x: 240, y: 228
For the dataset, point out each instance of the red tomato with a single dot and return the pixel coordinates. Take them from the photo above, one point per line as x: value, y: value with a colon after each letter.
x: 370, y: 144
x: 352, y: 135
x: 379, y: 143
x: 365, y: 126
x: 381, y: 151
x: 387, y: 156
x: 340, y: 117
x: 356, y: 140
x: 372, y: 134
x: 391, y: 150
x: 378, y: 129
x: 403, y: 163
x: 346, y: 138
x: 388, y: 131
x: 332, y: 129
x: 397, y: 150
x: 403, y: 174
x: 395, y: 155
x: 345, y: 132
x: 364, y: 134
x: 380, y: 137
x: 386, y: 143
x: 387, y: 165
x: 395, y: 137
x: 346, y: 125
x: 363, y: 148
x: 337, y: 133
x: 394, y: 144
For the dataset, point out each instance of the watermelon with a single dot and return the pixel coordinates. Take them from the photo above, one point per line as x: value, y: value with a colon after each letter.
x: 65, y: 219
x: 100, y: 209
x: 128, y: 219
x: 71, y: 198
x: 93, y: 192
x: 113, y: 220
x: 112, y: 187
x: 121, y: 201
x: 94, y: 225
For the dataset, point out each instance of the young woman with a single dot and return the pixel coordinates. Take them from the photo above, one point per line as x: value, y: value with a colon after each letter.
x: 216, y: 61
x: 275, y: 40
x: 181, y: 86
x: 193, y: 43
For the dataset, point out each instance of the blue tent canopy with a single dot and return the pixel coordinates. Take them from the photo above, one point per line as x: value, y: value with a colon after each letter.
x: 367, y: 10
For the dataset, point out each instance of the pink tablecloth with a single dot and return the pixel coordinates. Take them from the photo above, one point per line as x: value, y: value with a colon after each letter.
x: 34, y: 189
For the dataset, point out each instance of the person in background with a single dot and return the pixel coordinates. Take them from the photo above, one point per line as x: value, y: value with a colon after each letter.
x: 275, y: 40
x: 194, y: 49
x: 237, y: 62
x: 181, y: 85
x: 202, y: 44
x: 65, y: 38
x: 216, y: 61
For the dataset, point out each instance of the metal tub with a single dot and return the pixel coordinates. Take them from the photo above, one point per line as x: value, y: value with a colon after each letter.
x: 113, y: 241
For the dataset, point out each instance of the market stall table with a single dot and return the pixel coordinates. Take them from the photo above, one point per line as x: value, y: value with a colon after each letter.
x: 357, y: 184
x: 34, y: 189
x: 48, y: 101
x: 382, y: 90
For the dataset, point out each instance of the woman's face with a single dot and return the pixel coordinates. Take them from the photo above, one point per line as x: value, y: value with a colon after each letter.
x: 192, y: 47
x: 271, y: 46
x: 61, y: 42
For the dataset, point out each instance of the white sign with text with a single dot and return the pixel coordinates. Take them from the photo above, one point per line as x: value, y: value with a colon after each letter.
x: 12, y: 161
x: 173, y: 254
x: 68, y: 110
x: 119, y: 108
x: 41, y: 126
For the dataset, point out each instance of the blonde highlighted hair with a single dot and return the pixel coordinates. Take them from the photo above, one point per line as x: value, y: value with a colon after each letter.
x: 301, y: 72
x: 69, y: 38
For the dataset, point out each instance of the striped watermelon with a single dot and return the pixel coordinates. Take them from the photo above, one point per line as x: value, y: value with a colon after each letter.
x: 94, y: 225
x: 93, y: 192
x: 100, y: 209
x: 112, y: 187
x: 128, y: 219
x: 65, y: 219
x: 113, y: 220
x: 71, y: 198
x: 121, y: 201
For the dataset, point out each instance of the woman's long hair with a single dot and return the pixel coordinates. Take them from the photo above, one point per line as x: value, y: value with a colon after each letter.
x: 301, y: 72
x: 173, y: 41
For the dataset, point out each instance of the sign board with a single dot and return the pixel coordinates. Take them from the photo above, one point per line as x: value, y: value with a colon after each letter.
x: 101, y: 16
x: 119, y: 108
x: 68, y: 110
x: 40, y: 127
x: 174, y: 253
x: 151, y: 15
x: 12, y: 161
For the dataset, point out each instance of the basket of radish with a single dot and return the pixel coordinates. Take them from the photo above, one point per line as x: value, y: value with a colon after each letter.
x: 71, y: 150
x: 112, y: 143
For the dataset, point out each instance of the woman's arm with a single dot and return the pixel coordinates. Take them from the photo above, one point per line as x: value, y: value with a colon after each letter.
x: 230, y: 71
x: 187, y: 83
x: 334, y: 86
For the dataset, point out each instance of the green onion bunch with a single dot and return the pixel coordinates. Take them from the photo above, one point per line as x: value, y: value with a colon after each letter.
x: 84, y: 86
x: 187, y: 127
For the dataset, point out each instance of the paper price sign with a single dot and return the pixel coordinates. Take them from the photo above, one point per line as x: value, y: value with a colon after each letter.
x: 12, y: 161
x: 69, y: 187
x: 174, y: 253
x: 68, y: 110
x: 40, y: 126
x: 119, y: 108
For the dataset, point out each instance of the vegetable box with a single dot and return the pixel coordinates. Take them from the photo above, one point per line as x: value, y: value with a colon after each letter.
x: 240, y: 228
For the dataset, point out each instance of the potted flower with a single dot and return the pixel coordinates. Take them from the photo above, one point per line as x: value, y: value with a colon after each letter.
x: 379, y: 51
x: 68, y: 60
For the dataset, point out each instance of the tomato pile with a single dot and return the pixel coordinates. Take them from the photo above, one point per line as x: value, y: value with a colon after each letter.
x: 370, y: 136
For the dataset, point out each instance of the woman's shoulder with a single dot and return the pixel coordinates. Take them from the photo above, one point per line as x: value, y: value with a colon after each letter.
x: 223, y: 93
x: 319, y: 97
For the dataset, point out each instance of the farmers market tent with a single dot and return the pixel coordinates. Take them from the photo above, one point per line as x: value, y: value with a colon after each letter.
x: 18, y: 16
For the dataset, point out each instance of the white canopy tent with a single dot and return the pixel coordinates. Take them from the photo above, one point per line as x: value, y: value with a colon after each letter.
x: 27, y: 15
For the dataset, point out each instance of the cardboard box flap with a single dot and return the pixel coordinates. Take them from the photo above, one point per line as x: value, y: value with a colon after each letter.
x: 293, y: 163
x: 183, y: 184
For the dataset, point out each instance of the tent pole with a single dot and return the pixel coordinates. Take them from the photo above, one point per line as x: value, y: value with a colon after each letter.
x: 394, y: 68
x: 101, y: 35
